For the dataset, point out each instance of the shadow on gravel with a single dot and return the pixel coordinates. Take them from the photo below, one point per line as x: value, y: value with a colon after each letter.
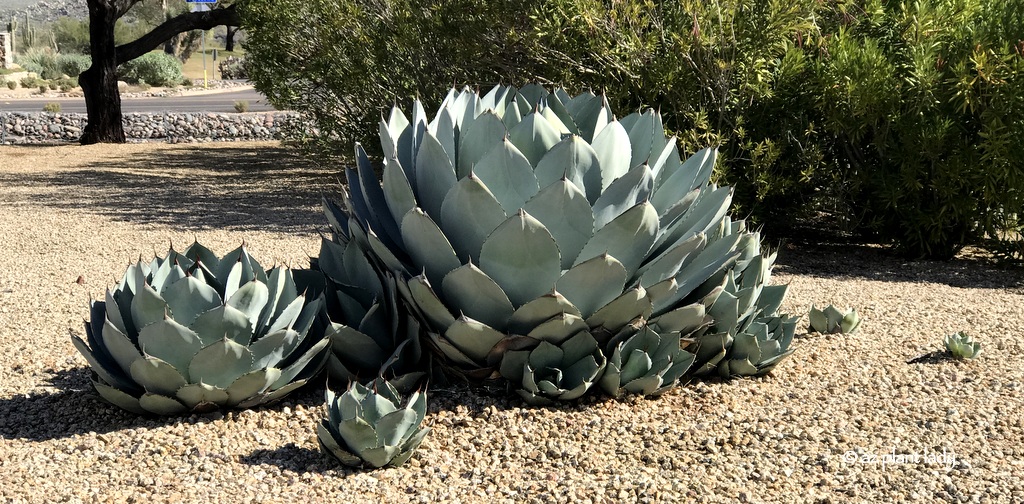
x: 75, y: 409
x: 268, y: 189
x: 292, y: 457
x: 846, y: 261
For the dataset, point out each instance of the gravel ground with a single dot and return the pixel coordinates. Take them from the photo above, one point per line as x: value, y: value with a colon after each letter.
x: 840, y: 421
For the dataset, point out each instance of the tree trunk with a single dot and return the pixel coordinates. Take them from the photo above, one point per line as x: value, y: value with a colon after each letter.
x: 229, y: 39
x: 99, y: 81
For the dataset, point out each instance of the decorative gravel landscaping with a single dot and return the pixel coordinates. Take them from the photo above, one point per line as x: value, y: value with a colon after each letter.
x: 881, y: 415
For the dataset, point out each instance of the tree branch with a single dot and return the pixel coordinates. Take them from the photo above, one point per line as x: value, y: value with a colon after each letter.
x: 226, y: 16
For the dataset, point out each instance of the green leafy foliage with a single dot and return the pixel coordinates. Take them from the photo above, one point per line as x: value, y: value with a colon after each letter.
x: 155, y: 69
x: 899, y: 121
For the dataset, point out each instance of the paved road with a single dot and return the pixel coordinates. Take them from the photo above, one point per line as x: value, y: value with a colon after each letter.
x: 209, y: 102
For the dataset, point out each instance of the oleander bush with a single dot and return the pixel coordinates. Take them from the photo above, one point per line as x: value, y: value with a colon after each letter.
x: 900, y: 122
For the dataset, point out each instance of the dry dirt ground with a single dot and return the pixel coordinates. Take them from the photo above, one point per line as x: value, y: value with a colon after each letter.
x: 853, y: 418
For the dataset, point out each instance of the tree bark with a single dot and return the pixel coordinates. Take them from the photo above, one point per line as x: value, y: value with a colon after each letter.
x: 99, y: 81
x: 229, y: 39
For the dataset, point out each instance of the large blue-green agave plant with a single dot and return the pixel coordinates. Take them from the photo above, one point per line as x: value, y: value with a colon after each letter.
x: 535, y: 226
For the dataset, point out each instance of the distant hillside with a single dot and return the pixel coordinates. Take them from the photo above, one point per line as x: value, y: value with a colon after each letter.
x: 41, y: 10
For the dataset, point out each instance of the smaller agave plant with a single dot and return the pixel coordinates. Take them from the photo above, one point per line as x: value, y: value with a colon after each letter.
x: 831, y: 320
x: 191, y: 332
x: 962, y: 346
x: 646, y: 363
x: 370, y: 426
x: 562, y: 370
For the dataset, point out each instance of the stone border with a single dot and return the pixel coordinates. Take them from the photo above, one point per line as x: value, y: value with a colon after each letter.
x: 173, y: 127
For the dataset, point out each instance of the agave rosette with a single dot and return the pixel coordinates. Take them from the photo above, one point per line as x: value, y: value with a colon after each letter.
x: 372, y: 333
x: 191, y: 332
x: 523, y: 216
x: 369, y: 426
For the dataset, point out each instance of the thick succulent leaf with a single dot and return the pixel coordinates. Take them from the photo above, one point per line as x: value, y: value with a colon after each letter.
x: 119, y: 398
x: 683, y: 320
x: 661, y: 294
x: 469, y: 290
x: 641, y: 138
x: 162, y: 405
x: 508, y: 175
x: 428, y: 246
x: 628, y: 238
x: 592, y: 283
x: 514, y: 364
x: 567, y: 215
x: 468, y: 216
x: 591, y: 114
x: 473, y: 338
x: 512, y: 116
x: 709, y: 210
x: 423, y: 296
x: 559, y: 328
x: 251, y: 384
x: 409, y: 447
x: 488, y: 132
x: 167, y: 274
x: 714, y: 257
x: 668, y: 264
x: 395, y: 427
x: 198, y: 253
x: 613, y: 153
x: 108, y: 309
x: 288, y: 316
x: 771, y: 298
x: 543, y: 308
x: 693, y: 173
x: 282, y: 291
x: 119, y: 347
x: 397, y: 190
x: 109, y: 373
x: 572, y: 159
x: 376, y: 202
x: 622, y: 310
x: 446, y: 134
x: 436, y: 176
x: 555, y: 110
x: 220, y: 363
x: 624, y: 193
x: 223, y: 322
x: 170, y: 342
x: 725, y: 311
x: 356, y: 348
x: 638, y: 363
x: 147, y: 307
x: 157, y: 376
x: 200, y: 396
x: 273, y: 347
x: 534, y: 136
x: 250, y: 300
x: 308, y: 364
x: 522, y: 257
x: 329, y: 443
x: 547, y: 356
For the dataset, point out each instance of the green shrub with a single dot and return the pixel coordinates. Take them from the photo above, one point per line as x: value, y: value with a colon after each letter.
x: 12, y: 85
x: 241, y: 106
x: 40, y: 61
x: 67, y: 84
x: 898, y: 121
x: 30, y: 82
x: 155, y: 69
x: 73, y: 64
x: 52, y: 107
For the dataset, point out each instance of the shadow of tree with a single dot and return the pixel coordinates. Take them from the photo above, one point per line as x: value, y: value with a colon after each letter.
x: 845, y: 261
x: 269, y: 188
x: 75, y: 409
